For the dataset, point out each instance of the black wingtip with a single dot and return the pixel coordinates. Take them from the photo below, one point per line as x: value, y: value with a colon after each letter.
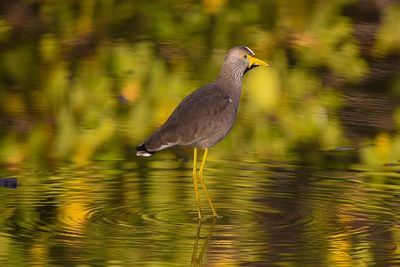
x: 142, y: 151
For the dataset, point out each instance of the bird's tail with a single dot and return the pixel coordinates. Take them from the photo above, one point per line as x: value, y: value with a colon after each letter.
x: 141, y: 151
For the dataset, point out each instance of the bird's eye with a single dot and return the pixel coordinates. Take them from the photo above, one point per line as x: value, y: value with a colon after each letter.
x: 245, y: 56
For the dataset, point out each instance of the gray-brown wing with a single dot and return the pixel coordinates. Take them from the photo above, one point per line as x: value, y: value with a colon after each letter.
x: 201, y: 119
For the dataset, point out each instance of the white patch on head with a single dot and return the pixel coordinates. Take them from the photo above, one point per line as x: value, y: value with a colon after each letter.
x: 249, y: 50
x: 230, y: 100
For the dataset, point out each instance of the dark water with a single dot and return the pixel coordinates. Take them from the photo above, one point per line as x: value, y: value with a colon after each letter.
x: 113, y: 213
x: 308, y: 176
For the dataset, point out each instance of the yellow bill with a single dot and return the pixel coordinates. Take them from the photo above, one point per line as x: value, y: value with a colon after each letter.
x: 254, y: 62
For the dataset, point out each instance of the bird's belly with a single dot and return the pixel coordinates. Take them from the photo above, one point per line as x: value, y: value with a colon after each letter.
x: 215, y: 133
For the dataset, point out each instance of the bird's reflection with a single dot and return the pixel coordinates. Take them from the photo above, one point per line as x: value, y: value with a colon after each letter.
x: 200, y: 246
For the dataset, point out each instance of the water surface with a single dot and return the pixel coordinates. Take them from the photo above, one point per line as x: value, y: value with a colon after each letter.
x: 114, y: 213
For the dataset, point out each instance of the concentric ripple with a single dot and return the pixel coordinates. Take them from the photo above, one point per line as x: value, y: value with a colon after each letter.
x: 267, y: 212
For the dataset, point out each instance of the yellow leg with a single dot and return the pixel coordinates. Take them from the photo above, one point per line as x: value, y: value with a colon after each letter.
x: 195, y: 182
x: 203, y: 185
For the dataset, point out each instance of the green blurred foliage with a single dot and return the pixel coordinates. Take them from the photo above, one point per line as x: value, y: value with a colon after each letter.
x: 81, y: 80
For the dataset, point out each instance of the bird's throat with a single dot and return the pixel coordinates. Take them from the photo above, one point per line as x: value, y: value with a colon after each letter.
x: 251, y: 67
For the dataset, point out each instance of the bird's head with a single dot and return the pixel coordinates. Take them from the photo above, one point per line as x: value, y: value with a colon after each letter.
x: 241, y: 59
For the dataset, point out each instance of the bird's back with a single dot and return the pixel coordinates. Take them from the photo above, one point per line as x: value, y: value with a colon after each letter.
x: 202, y: 119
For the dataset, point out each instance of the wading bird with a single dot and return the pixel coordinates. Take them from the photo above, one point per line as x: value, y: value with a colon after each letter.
x: 205, y: 117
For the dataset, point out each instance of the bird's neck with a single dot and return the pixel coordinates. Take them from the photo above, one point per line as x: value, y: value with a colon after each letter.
x: 230, y: 78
